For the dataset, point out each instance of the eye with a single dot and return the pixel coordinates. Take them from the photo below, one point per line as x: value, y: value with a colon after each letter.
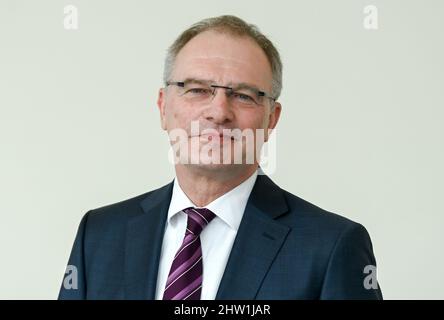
x: 198, y: 91
x: 243, y: 97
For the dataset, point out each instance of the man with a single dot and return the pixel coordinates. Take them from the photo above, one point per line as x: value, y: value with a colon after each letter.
x: 221, y: 229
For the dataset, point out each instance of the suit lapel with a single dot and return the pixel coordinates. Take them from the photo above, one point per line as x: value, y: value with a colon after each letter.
x: 257, y: 243
x: 143, y: 245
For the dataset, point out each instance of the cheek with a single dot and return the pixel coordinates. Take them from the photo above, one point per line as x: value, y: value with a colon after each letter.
x: 178, y: 117
x: 172, y: 112
x: 177, y: 120
x: 253, y: 119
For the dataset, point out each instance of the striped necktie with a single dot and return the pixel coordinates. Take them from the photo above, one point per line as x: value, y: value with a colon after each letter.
x: 185, y: 278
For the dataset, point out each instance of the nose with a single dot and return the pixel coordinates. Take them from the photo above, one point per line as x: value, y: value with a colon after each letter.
x: 219, y: 109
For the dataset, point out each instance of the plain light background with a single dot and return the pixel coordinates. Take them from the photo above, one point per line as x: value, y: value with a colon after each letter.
x: 360, y: 134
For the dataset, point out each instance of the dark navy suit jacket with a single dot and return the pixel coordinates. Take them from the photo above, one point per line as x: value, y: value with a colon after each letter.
x: 285, y: 248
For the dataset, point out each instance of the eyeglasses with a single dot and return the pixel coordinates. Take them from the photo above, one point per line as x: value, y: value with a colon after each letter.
x: 203, y: 91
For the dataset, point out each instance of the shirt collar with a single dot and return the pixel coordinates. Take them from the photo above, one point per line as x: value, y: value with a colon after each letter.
x: 229, y: 207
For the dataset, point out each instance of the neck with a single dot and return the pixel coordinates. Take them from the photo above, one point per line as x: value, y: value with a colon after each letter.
x: 203, y: 185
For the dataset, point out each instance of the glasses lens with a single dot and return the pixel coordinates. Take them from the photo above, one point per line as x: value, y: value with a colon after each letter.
x: 202, y: 92
x: 247, y: 96
x: 194, y: 90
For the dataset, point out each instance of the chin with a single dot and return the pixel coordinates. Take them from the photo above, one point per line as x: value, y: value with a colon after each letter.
x: 218, y: 168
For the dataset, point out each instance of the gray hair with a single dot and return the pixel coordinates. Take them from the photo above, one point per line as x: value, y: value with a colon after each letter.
x: 233, y: 26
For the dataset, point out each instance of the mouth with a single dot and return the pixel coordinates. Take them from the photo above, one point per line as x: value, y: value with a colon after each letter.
x: 214, y: 136
x: 221, y: 137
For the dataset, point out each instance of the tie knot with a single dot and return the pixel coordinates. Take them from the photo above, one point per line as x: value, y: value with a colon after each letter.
x: 198, y: 218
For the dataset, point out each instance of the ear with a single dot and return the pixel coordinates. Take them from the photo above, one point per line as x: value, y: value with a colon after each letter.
x: 273, y: 117
x: 161, y: 101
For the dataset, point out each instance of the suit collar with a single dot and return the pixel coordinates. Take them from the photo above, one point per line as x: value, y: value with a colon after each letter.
x: 268, y: 197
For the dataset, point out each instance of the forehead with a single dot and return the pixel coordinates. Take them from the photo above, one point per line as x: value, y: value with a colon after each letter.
x: 223, y: 58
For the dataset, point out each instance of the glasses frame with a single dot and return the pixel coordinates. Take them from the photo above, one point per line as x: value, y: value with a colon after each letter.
x: 259, y: 93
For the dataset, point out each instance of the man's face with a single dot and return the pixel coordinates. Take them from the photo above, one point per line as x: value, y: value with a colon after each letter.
x: 225, y: 60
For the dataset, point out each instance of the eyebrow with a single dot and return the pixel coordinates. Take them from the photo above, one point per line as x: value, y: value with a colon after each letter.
x: 198, y: 81
x: 244, y: 85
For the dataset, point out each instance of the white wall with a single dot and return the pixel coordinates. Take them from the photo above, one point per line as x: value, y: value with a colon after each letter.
x: 361, y: 131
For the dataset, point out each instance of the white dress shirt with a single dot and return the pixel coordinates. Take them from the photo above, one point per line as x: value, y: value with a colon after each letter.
x: 216, y: 238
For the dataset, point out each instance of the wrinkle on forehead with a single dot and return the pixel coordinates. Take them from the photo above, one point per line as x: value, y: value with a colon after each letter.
x: 217, y: 59
x: 220, y: 70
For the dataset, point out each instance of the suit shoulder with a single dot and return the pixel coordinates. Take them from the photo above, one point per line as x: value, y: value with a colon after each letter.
x: 303, y: 210
x: 121, y: 211
x: 321, y: 230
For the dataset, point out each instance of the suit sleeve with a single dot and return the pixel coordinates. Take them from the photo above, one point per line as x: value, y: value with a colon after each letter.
x: 351, y: 271
x: 74, y: 282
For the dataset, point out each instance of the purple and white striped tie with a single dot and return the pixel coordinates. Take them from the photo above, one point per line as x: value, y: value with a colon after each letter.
x: 185, y: 278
